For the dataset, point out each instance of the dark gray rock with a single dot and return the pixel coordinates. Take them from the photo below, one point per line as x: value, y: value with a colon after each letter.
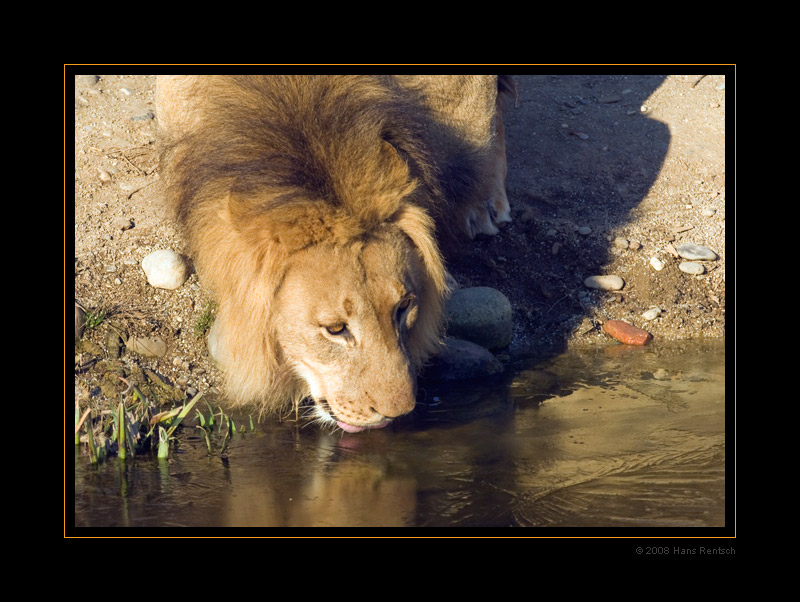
x: 480, y: 314
x: 80, y: 321
x: 461, y: 360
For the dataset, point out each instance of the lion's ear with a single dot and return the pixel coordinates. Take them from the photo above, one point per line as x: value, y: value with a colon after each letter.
x: 235, y: 210
x: 291, y: 223
x: 253, y: 221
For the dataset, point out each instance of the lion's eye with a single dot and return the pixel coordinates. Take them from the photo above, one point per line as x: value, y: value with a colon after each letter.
x: 404, y: 313
x: 336, y: 328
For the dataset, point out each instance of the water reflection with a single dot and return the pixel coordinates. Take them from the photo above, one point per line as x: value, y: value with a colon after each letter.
x: 609, y: 437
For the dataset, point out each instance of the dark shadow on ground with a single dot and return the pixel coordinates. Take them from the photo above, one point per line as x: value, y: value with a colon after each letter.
x: 580, y: 153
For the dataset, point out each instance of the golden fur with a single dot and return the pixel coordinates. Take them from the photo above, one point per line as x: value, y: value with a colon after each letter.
x: 310, y: 205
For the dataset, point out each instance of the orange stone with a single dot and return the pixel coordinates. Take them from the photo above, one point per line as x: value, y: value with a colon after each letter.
x: 625, y: 333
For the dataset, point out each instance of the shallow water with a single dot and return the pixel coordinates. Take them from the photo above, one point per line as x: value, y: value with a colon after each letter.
x: 612, y: 437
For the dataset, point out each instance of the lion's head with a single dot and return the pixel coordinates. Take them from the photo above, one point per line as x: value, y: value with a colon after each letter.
x: 347, y: 320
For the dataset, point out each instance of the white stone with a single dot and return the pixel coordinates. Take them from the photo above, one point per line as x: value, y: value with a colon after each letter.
x: 657, y: 264
x: 165, y: 269
x: 652, y: 313
x: 604, y: 283
x: 692, y: 267
x: 695, y: 252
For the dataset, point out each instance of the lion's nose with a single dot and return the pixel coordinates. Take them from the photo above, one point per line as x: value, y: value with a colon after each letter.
x: 395, y: 401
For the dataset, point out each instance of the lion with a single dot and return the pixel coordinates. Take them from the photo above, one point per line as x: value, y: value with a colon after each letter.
x: 314, y: 209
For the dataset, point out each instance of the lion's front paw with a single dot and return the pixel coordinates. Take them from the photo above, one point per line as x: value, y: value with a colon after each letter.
x: 487, y: 219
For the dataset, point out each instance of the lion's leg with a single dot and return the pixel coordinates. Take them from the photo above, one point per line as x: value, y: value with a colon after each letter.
x: 493, y: 212
x: 498, y: 197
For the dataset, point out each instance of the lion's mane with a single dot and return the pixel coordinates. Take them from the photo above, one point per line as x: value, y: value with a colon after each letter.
x: 273, y: 164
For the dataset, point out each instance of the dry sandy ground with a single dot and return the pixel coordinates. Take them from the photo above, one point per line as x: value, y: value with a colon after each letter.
x: 634, y: 157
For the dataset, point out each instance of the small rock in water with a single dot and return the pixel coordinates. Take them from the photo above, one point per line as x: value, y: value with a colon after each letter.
x: 660, y: 374
x: 604, y: 283
x: 692, y: 267
x: 462, y: 360
x: 695, y: 252
x: 657, y: 264
x: 626, y: 333
x: 584, y: 230
x: 165, y: 269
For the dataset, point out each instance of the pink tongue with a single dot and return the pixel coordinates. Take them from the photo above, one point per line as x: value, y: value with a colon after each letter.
x: 350, y: 428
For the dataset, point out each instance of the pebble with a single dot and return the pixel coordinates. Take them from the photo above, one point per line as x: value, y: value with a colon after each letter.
x: 695, y: 252
x: 626, y: 333
x: 460, y: 360
x: 123, y: 223
x: 165, y: 269
x: 144, y: 116
x: 214, y: 343
x: 604, y: 283
x: 114, y: 342
x: 147, y: 346
x: 692, y: 267
x: 80, y: 318
x: 584, y: 230
x: 657, y: 264
x: 480, y: 314
x: 652, y: 313
x: 88, y: 80
x: 709, y: 211
x: 621, y: 243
